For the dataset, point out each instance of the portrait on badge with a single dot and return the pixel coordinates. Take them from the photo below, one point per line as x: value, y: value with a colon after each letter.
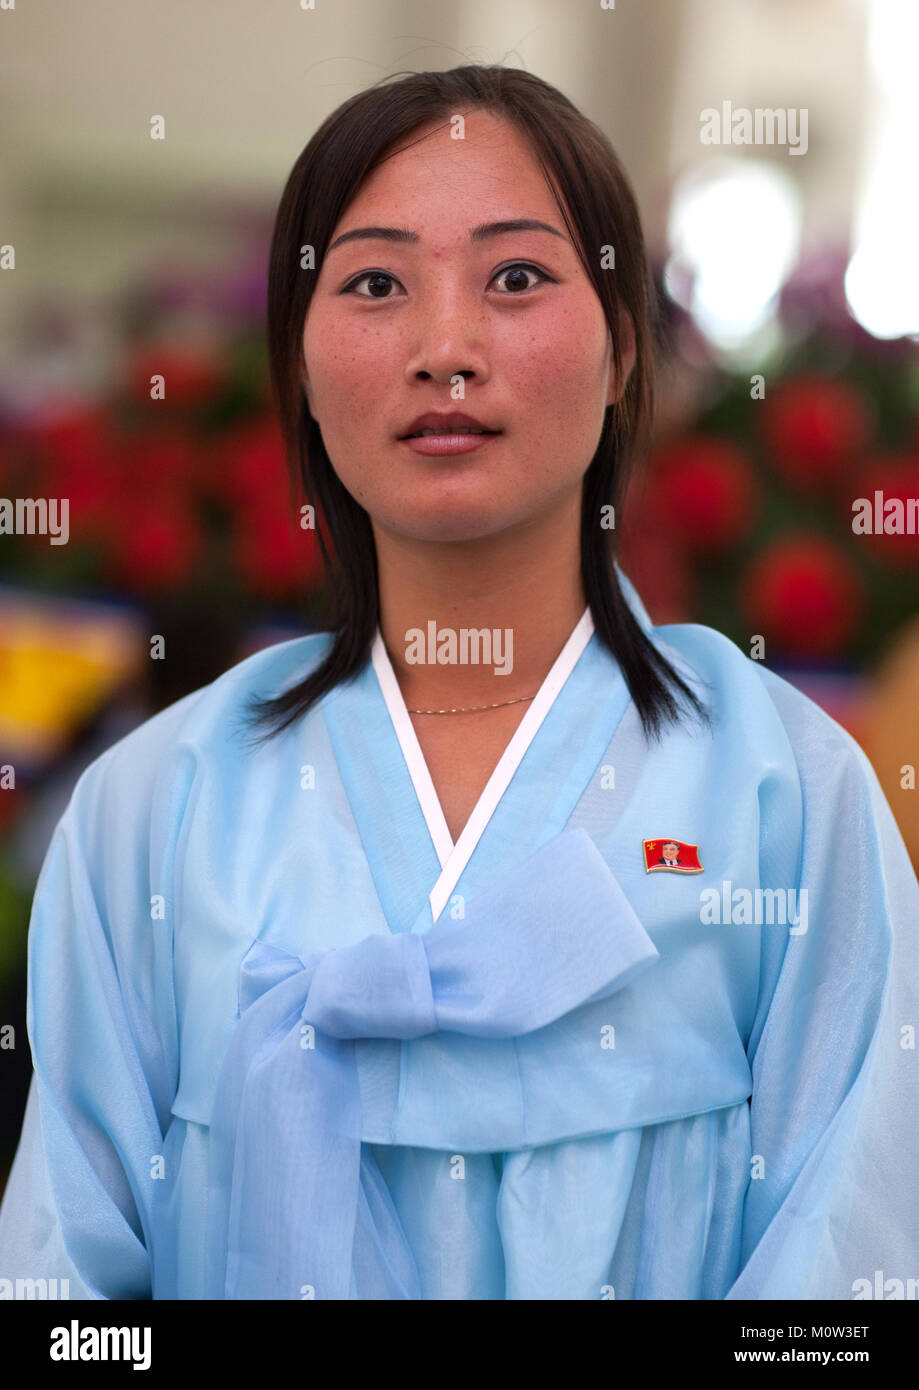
x: 510, y: 945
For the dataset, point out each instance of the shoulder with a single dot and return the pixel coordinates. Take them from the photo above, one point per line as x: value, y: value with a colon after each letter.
x: 152, y: 762
x: 752, y: 705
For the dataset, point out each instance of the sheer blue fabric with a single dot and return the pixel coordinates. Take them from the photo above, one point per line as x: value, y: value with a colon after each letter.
x: 583, y: 1081
x: 556, y: 933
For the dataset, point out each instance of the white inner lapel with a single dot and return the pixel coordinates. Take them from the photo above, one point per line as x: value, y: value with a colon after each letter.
x: 454, y: 858
x: 411, y: 750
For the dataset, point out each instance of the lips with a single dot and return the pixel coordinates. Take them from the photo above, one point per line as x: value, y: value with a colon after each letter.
x: 455, y: 423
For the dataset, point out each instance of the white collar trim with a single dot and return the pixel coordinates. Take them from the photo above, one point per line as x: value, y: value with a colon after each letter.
x: 454, y: 858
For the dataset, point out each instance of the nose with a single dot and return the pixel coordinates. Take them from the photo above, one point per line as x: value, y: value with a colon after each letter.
x: 447, y: 339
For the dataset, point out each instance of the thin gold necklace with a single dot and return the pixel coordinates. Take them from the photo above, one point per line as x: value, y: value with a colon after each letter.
x: 471, y: 709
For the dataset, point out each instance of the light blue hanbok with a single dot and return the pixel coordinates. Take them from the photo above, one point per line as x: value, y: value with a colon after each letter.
x: 291, y: 1042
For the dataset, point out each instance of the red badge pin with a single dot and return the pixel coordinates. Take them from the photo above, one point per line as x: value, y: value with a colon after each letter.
x: 672, y: 855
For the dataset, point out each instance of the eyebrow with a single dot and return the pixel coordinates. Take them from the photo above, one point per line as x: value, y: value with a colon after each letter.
x: 481, y: 233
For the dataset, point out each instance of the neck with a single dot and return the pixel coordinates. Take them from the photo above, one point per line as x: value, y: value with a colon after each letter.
x: 523, y: 586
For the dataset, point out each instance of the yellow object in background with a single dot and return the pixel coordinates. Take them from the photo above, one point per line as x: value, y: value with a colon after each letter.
x: 60, y: 661
x: 891, y: 734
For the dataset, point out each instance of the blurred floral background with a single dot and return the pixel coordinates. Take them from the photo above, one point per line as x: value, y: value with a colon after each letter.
x: 788, y: 388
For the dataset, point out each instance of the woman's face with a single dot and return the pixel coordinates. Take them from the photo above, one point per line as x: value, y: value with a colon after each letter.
x: 393, y: 326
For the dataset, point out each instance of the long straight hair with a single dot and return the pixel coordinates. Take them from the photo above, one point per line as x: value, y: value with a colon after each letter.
x: 599, y: 209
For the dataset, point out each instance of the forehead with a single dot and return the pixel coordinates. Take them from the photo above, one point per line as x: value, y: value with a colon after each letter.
x: 490, y: 169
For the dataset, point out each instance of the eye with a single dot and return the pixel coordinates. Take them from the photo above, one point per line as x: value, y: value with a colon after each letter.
x: 380, y: 280
x: 377, y: 276
x: 523, y: 267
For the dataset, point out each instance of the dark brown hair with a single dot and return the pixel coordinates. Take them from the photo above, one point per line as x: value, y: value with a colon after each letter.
x: 599, y: 210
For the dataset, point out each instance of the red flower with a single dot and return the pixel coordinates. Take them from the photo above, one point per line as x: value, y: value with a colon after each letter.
x: 248, y: 466
x: 73, y: 433
x: 160, y: 462
x: 656, y: 565
x: 803, y: 596
x: 703, y: 489
x: 156, y: 548
x: 78, y: 460
x: 93, y: 501
x: 896, y: 478
x: 276, y: 558
x: 113, y: 487
x: 192, y: 375
x: 814, y: 427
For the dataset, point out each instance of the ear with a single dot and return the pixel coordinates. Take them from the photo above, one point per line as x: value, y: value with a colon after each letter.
x: 627, y: 348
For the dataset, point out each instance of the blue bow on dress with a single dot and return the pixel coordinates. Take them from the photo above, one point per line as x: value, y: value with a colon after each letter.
x: 286, y: 1173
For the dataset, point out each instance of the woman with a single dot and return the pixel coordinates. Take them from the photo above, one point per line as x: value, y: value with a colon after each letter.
x: 494, y: 944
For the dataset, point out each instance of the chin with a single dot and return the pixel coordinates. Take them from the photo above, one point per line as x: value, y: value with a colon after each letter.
x: 447, y: 525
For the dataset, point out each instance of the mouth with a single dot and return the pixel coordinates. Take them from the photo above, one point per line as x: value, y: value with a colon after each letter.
x: 445, y: 433
x: 448, y: 440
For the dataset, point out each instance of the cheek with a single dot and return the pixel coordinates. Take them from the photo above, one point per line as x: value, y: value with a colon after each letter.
x: 559, y: 359
x: 560, y: 378
x: 346, y: 363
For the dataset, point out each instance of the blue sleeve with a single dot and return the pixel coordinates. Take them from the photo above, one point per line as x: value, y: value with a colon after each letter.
x: 81, y: 1200
x: 832, y: 1207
